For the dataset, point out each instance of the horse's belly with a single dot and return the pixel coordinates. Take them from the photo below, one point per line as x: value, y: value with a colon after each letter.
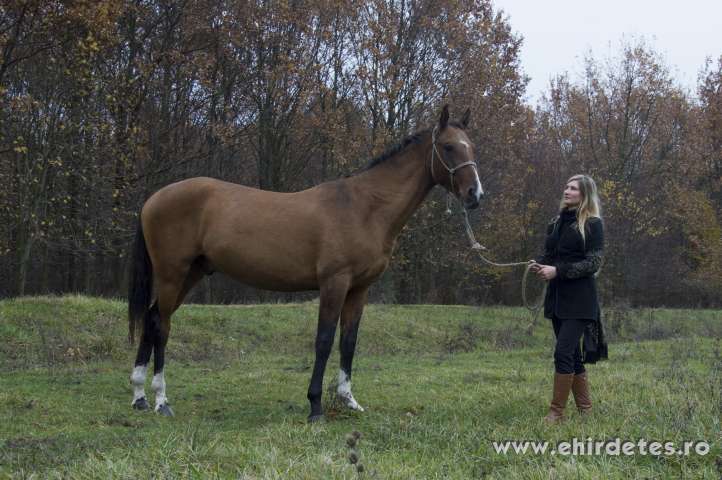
x: 276, y: 271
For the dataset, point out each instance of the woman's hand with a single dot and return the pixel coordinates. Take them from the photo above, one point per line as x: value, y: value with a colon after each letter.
x: 545, y: 272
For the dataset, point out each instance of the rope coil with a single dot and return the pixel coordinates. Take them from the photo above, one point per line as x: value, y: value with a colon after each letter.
x: 534, y: 308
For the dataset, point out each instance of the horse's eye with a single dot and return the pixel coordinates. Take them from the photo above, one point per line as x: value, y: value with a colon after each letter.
x: 448, y: 147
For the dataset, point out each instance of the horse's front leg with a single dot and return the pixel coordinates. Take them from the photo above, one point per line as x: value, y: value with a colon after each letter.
x: 333, y: 294
x: 350, y: 320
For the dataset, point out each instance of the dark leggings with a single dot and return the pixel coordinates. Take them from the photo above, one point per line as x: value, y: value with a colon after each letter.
x: 567, y: 353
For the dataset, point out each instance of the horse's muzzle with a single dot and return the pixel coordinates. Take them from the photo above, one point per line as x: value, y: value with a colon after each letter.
x: 472, y: 197
x: 471, y: 203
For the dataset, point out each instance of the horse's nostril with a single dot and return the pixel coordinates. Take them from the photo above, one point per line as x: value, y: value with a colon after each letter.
x: 475, y: 192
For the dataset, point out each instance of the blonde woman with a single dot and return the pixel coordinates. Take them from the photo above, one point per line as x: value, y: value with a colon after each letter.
x: 573, y: 253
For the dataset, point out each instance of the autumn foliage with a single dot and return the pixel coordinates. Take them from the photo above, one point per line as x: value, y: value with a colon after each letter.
x: 103, y: 102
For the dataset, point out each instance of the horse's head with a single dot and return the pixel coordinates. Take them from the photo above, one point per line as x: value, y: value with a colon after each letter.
x: 452, y: 159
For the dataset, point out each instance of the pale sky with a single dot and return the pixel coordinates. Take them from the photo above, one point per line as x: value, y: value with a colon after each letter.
x: 558, y: 33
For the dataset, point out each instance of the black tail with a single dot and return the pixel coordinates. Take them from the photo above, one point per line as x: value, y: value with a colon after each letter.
x: 141, y: 283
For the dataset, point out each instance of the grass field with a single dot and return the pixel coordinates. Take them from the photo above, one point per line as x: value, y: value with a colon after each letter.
x: 439, y: 384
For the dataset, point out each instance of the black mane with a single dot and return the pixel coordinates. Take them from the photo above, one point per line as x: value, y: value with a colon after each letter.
x: 413, y: 139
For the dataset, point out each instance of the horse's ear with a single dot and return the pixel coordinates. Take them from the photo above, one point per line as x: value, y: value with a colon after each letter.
x: 465, y: 119
x: 444, y: 120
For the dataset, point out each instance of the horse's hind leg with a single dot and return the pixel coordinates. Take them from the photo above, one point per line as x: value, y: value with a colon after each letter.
x: 350, y: 320
x: 170, y: 296
x: 150, y: 322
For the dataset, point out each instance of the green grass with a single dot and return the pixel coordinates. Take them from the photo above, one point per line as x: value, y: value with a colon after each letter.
x: 439, y: 384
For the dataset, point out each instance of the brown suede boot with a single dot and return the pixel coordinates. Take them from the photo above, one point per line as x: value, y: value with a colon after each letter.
x: 580, y: 389
x: 562, y: 386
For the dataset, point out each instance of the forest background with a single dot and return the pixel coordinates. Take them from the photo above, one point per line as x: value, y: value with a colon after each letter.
x: 104, y: 102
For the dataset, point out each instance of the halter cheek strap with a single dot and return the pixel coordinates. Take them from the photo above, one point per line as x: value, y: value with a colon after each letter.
x: 451, y: 170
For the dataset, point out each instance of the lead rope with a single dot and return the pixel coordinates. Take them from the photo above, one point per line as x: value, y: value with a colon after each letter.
x: 476, y: 246
x: 533, y: 309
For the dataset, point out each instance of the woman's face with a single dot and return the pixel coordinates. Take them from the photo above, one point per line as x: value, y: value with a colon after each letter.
x: 572, y: 194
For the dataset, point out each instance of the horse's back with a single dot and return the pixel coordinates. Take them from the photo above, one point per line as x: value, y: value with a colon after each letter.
x: 277, y: 241
x: 262, y: 238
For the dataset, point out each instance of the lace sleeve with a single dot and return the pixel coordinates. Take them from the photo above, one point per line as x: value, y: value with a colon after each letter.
x: 593, y: 254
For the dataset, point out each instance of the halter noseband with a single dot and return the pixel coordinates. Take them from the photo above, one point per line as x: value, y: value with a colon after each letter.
x: 451, y: 170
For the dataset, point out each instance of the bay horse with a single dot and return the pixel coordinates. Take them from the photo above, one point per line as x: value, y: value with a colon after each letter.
x: 336, y: 237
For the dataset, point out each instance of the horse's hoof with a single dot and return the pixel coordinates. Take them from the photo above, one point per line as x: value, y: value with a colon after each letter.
x: 354, y: 406
x: 315, y: 418
x: 164, y: 410
x: 141, y: 404
x: 351, y: 403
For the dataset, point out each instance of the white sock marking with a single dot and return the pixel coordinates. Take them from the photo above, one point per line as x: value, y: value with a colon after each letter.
x: 137, y: 378
x: 344, y: 391
x: 158, y: 386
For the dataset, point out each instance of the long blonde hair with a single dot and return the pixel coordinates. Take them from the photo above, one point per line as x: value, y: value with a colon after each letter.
x: 590, y: 206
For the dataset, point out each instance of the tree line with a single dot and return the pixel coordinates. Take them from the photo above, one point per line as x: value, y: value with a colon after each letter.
x: 103, y: 102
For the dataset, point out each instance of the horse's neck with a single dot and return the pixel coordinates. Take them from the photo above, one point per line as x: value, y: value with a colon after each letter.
x: 397, y: 187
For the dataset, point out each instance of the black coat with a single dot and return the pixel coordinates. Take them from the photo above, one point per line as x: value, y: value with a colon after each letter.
x: 573, y: 292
